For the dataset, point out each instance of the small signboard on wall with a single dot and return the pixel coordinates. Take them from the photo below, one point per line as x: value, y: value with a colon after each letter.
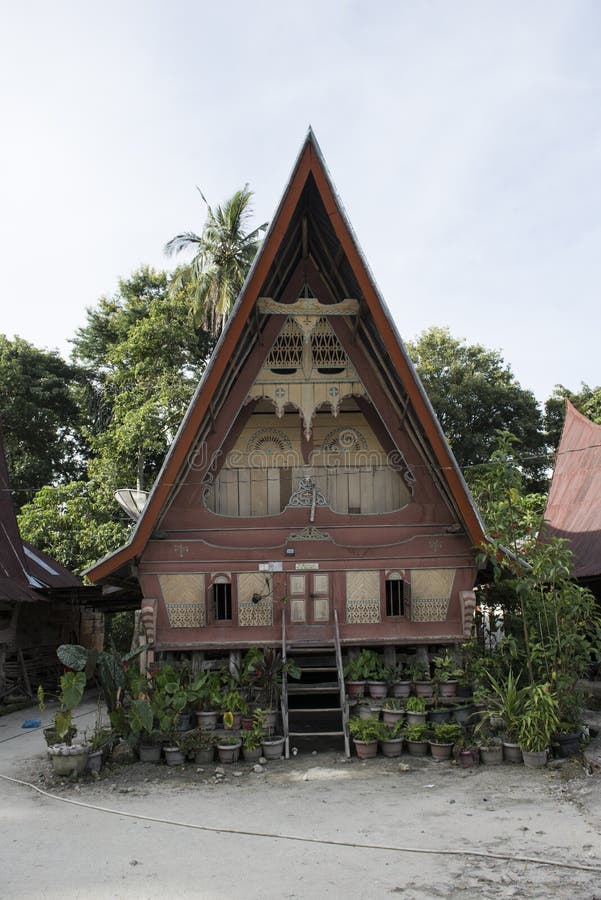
x: 306, y: 567
x: 271, y: 567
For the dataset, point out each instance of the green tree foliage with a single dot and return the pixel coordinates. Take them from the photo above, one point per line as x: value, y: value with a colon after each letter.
x: 40, y: 415
x: 147, y: 359
x: 587, y: 401
x: 143, y: 360
x: 552, y: 625
x: 476, y: 396
x: 76, y: 523
x: 223, y: 254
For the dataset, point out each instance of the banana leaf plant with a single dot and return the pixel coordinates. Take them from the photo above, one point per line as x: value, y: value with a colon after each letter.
x: 109, y: 668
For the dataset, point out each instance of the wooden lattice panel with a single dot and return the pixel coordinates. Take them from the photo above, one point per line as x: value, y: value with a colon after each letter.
x: 326, y: 348
x: 255, y: 614
x: 363, y: 598
x: 184, y: 598
x: 430, y: 594
x: 287, y: 352
x: 428, y: 583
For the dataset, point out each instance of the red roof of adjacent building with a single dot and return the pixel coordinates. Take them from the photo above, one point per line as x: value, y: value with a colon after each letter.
x: 23, y: 568
x: 574, y: 506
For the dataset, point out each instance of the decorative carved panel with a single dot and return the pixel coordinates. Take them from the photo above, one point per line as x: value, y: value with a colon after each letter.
x: 287, y: 352
x: 309, y: 533
x: 307, y: 494
x: 363, y: 612
x: 344, y: 439
x: 184, y: 598
x: 363, y: 597
x: 306, y: 368
x: 255, y: 614
x: 433, y: 609
x: 268, y: 440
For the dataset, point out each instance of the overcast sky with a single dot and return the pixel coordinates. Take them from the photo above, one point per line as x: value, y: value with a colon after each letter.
x: 463, y: 137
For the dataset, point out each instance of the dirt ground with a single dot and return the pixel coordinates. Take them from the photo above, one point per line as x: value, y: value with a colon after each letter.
x: 348, y: 810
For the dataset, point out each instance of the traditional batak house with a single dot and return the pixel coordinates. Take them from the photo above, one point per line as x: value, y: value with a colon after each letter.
x: 39, y: 606
x: 310, y: 488
x: 573, y: 509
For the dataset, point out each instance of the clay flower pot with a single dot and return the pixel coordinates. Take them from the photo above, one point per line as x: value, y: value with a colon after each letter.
x: 365, y: 749
x: 535, y: 759
x: 441, y: 751
x: 392, y: 747
x: 228, y: 753
x: 273, y: 747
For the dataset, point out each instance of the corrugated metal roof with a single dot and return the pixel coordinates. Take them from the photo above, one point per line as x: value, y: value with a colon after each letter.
x: 574, y: 505
x: 47, y: 570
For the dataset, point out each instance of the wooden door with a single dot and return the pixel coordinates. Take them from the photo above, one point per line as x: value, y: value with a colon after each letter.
x: 309, y: 594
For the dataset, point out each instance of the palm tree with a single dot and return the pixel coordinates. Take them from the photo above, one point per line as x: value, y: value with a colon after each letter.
x: 223, y: 254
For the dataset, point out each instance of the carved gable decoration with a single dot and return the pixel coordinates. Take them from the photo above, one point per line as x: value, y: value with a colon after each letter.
x: 307, y: 367
x: 307, y: 494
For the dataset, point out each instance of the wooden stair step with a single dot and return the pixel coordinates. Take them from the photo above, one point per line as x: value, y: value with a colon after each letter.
x: 329, y: 688
x: 318, y: 668
x: 315, y: 733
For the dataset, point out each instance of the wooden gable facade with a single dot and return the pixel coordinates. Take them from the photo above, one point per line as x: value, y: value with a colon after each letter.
x: 310, y: 476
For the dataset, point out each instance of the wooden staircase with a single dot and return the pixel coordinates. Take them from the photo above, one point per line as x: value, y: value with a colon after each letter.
x: 319, y: 694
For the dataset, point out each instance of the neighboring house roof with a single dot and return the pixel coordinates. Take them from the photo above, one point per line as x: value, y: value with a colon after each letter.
x: 310, y: 196
x: 574, y: 506
x: 24, y: 570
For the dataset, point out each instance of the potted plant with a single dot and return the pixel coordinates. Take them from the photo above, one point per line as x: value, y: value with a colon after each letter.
x: 365, y: 710
x: 566, y: 742
x: 446, y: 673
x: 540, y: 719
x: 235, y: 703
x: 393, y: 711
x: 263, y: 670
x: 252, y: 738
x: 354, y: 677
x: 504, y: 707
x: 416, y: 737
x: 415, y: 707
x: 391, y: 739
x: 399, y: 680
x: 99, y: 740
x: 70, y: 695
x: 366, y: 734
x: 197, y: 745
x: 228, y: 748
x: 439, y: 715
x: 205, y: 694
x: 174, y: 739
x: 374, y: 671
x: 491, y: 750
x: 443, y: 737
x: 420, y: 680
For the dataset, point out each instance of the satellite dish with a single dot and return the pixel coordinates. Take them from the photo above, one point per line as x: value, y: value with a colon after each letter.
x: 132, y: 501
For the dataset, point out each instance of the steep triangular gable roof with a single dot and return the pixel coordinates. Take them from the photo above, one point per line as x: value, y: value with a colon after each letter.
x: 573, y: 508
x: 310, y: 192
